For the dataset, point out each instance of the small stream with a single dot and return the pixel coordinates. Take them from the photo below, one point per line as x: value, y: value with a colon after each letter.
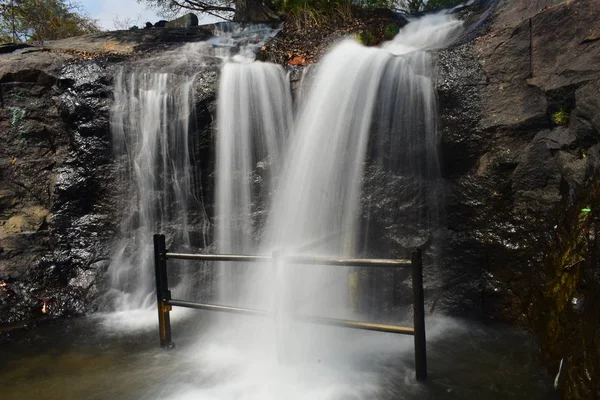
x: 117, y: 357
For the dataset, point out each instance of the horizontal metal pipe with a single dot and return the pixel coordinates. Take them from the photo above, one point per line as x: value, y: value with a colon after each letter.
x: 366, y: 326
x: 346, y: 262
x: 214, y: 307
x: 403, y: 330
x: 218, y: 257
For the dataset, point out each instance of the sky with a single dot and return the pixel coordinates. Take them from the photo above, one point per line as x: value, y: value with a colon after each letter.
x: 105, y: 11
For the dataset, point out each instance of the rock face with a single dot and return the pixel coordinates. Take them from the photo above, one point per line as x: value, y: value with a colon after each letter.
x: 520, y: 142
x: 56, y: 218
x: 132, y: 41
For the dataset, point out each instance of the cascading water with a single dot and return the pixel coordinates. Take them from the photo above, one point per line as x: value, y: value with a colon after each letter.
x: 366, y: 106
x: 150, y: 124
x: 239, y: 41
x: 153, y: 124
x: 253, y: 121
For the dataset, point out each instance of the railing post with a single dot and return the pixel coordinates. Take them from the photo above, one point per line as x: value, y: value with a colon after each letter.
x: 162, y: 291
x: 419, y: 315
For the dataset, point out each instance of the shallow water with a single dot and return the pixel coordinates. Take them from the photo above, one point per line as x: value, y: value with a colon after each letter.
x: 117, y: 357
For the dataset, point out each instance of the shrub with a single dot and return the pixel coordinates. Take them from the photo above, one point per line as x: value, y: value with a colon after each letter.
x: 560, y: 117
x: 390, y: 31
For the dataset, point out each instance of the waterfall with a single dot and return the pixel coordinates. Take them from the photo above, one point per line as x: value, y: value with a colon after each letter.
x: 233, y: 40
x: 366, y: 108
x: 150, y: 123
x: 254, y: 115
x: 153, y: 124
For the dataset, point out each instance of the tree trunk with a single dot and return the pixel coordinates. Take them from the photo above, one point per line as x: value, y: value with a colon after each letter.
x: 253, y: 11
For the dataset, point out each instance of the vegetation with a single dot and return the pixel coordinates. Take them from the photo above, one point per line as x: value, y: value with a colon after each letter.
x: 307, y: 12
x: 365, y: 37
x: 252, y: 10
x: 36, y: 21
x: 390, y: 31
x: 564, y: 306
x: 560, y: 117
x: 18, y: 114
x: 432, y: 4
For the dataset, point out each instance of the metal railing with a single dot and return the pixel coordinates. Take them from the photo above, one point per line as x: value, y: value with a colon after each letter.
x: 165, y: 302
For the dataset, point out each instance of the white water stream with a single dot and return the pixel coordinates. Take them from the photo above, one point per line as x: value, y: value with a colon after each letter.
x: 361, y: 98
x: 150, y: 124
x: 254, y: 117
x: 153, y: 123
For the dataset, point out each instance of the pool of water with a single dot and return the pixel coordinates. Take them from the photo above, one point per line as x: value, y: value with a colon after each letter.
x: 117, y: 356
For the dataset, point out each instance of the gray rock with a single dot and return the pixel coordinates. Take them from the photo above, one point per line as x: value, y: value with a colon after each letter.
x: 560, y: 138
x: 185, y: 21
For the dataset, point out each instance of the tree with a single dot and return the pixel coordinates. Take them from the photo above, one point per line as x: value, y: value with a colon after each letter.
x: 37, y: 21
x: 127, y: 22
x: 238, y: 10
x: 265, y: 10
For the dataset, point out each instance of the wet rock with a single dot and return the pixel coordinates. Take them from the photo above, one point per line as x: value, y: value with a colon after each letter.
x: 39, y: 67
x: 55, y: 178
x: 516, y: 177
x: 459, y: 91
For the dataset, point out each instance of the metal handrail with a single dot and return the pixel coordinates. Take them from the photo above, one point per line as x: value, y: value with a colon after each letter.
x: 217, y: 257
x: 311, y: 260
x: 165, y: 302
x: 369, y: 326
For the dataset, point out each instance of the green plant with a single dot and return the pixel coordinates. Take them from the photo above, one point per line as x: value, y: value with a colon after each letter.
x: 306, y: 14
x: 368, y: 38
x: 38, y: 21
x: 390, y: 31
x: 365, y: 37
x: 561, y: 117
x: 389, y: 4
x: 18, y: 114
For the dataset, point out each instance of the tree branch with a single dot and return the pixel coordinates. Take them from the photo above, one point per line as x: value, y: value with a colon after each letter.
x: 201, y: 6
x: 204, y: 8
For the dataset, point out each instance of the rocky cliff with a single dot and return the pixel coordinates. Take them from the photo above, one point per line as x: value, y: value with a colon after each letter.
x: 519, y: 116
x: 55, y: 174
